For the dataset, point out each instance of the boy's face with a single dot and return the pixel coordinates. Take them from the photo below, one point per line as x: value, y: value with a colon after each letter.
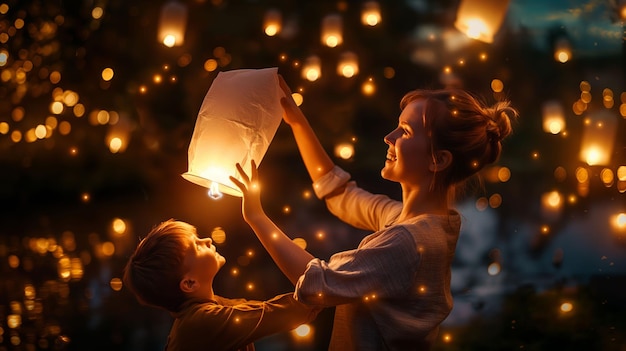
x: 202, y: 259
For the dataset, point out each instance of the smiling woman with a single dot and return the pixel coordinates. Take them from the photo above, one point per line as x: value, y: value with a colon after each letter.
x: 393, y: 290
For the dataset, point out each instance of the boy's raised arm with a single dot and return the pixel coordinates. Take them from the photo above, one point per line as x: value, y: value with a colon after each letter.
x: 289, y: 257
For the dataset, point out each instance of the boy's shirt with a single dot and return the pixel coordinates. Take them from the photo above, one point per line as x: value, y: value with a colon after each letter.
x: 233, y: 324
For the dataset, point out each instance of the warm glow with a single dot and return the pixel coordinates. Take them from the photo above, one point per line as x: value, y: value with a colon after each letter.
x: 107, y: 74
x: 300, y: 242
x: 172, y: 23
x: 272, y: 22
x: 303, y: 330
x: 497, y: 85
x: 553, y: 117
x: 312, y: 69
x: 332, y: 30
x: 504, y: 174
x: 370, y: 14
x: 566, y: 307
x: 214, y: 191
x: 481, y: 19
x: 494, y: 269
x: 348, y: 65
x: 562, y: 50
x: 119, y: 226
x: 368, y: 88
x: 618, y: 222
x: 344, y: 151
x: 218, y: 235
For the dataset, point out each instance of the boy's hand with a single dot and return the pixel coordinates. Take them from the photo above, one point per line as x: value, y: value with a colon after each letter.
x: 291, y: 112
x: 251, y: 204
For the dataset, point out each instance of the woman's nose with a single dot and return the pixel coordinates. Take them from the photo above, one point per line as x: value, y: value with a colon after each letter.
x: 389, y: 138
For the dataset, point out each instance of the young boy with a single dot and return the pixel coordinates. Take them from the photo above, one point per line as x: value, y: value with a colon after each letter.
x: 172, y: 268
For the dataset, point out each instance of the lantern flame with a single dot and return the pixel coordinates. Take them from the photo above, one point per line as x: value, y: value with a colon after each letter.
x: 214, y: 191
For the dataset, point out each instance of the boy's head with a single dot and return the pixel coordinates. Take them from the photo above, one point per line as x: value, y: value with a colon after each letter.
x: 172, y: 264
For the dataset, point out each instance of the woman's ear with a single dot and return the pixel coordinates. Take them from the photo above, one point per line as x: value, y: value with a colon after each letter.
x: 442, y: 160
x: 188, y: 285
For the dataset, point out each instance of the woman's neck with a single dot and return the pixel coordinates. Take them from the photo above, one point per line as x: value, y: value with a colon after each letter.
x: 417, y: 201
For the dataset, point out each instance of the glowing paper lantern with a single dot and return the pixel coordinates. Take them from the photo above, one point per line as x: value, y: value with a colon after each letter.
x: 598, y: 138
x: 172, y: 23
x: 348, y: 65
x: 312, y: 68
x: 553, y: 117
x: 370, y: 13
x: 118, y: 135
x: 236, y: 123
x: 481, y: 19
x: 272, y: 22
x: 332, y: 30
x: 562, y: 50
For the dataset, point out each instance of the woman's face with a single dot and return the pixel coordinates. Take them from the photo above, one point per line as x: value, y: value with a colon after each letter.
x: 409, y: 155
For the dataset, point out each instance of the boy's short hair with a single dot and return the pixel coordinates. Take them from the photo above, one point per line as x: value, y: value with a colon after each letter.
x: 154, y: 271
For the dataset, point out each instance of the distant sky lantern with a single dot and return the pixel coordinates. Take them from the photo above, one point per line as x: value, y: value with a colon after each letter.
x: 312, y: 68
x: 551, y: 205
x: 553, y: 117
x: 118, y: 135
x: 332, y: 30
x: 236, y: 123
x: 172, y: 23
x: 348, y: 65
x: 481, y: 19
x: 562, y: 50
x: 370, y: 13
x: 272, y: 22
x: 598, y: 137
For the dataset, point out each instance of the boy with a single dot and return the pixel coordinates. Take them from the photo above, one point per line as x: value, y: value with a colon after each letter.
x: 173, y: 269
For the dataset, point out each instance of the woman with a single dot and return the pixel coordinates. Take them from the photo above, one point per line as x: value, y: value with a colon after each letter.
x: 393, y: 291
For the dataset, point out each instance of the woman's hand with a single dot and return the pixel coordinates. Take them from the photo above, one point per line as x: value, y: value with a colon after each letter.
x: 291, y: 112
x: 251, y: 204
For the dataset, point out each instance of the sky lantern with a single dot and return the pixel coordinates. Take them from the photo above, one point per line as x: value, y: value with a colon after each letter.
x: 172, y: 23
x: 598, y: 137
x: 272, y: 22
x: 332, y: 30
x: 370, y: 13
x: 236, y: 123
x: 118, y: 135
x: 312, y: 68
x: 562, y: 50
x: 348, y: 65
x: 481, y: 19
x: 553, y: 117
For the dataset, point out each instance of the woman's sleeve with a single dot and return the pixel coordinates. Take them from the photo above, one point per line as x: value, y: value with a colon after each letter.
x: 385, y: 269
x: 354, y: 205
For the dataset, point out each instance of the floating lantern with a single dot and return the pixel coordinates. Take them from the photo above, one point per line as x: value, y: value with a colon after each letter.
x: 598, y: 138
x: 370, y: 13
x: 562, y: 50
x: 118, y: 135
x: 312, y: 68
x: 553, y: 117
x: 481, y: 19
x: 348, y: 65
x: 236, y: 123
x: 332, y: 30
x: 272, y: 22
x: 172, y: 23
